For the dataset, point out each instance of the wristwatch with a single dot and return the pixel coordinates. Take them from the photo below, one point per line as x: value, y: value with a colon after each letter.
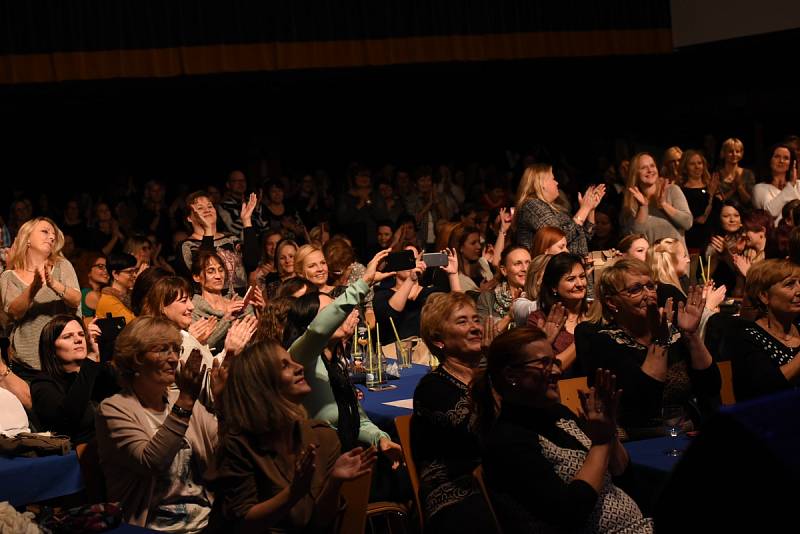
x: 181, y: 412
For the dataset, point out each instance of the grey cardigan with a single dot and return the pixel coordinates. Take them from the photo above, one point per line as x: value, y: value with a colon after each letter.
x: 132, y: 457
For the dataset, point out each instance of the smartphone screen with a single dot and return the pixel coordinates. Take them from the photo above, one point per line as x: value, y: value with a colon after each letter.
x: 400, y: 261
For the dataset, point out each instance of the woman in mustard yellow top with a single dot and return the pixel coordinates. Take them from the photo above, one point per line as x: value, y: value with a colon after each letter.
x: 115, y: 299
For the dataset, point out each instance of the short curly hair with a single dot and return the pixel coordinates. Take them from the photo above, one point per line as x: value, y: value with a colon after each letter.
x: 435, y: 313
x: 762, y: 276
x: 136, y: 339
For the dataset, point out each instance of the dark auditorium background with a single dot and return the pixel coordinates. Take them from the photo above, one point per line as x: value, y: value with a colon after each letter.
x: 93, y: 90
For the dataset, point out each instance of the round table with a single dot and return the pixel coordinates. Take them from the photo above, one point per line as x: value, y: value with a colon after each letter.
x: 374, y: 402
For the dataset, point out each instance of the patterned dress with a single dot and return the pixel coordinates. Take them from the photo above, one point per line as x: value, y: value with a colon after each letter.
x: 530, y: 462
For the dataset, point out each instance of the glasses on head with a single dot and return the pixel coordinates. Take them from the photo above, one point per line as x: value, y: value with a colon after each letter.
x: 101, y: 266
x: 637, y: 289
x: 539, y: 363
x: 164, y: 351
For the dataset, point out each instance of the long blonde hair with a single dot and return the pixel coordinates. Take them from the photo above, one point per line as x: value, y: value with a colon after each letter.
x: 629, y: 205
x: 16, y: 259
x: 530, y: 186
x: 663, y: 258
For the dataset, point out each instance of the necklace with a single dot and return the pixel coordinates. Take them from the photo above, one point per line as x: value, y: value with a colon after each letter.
x: 780, y: 335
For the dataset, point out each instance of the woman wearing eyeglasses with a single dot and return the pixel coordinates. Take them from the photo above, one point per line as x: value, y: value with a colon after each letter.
x: 656, y: 361
x: 156, y: 442
x: 116, y: 298
x: 546, y: 470
x: 72, y: 380
x: 93, y: 277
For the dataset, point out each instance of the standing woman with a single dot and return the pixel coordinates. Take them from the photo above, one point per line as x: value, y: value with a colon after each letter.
x: 670, y: 164
x: 72, y: 381
x: 38, y: 285
x: 93, y: 277
x: 276, y: 470
x: 563, y: 285
x: 735, y: 182
x: 116, y: 298
x: 535, y: 208
x: 781, y: 185
x: 700, y: 190
x: 651, y: 205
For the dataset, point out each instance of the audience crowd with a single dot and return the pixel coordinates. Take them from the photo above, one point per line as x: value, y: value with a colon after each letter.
x: 207, y: 342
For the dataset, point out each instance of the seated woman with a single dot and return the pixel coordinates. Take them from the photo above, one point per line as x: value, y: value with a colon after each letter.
x: 115, y: 299
x: 656, y: 362
x: 528, y: 302
x: 310, y: 263
x: 93, y: 277
x: 445, y: 448
x: 495, y: 302
x: 208, y: 271
x: 315, y: 328
x: 669, y: 262
x: 473, y: 270
x: 761, y: 243
x: 169, y: 299
x: 72, y: 380
x: 764, y: 353
x: 275, y: 469
x: 403, y: 300
x: 154, y: 442
x: 634, y: 246
x: 545, y: 470
x: 284, y: 267
x: 548, y: 240
x: 15, y: 402
x: 563, y: 285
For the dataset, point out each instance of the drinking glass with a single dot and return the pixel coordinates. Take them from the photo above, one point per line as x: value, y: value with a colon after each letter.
x: 673, y: 418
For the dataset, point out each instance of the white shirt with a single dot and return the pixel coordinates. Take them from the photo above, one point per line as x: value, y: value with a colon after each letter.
x: 770, y: 198
x: 13, y: 418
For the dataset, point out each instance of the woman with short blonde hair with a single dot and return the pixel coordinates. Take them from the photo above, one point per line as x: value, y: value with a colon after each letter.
x: 735, y: 182
x: 310, y: 263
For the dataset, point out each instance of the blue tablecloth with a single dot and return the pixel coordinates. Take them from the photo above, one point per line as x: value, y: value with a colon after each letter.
x: 651, y: 453
x: 28, y: 480
x: 383, y: 415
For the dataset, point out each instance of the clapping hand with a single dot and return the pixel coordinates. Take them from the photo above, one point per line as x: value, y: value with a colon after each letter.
x: 600, y: 406
x: 552, y: 325
x: 718, y: 244
x: 248, y: 207
x: 638, y: 196
x: 742, y: 264
x: 218, y: 377
x: 354, y: 463
x: 201, y: 330
x: 660, y: 321
x: 190, y: 374
x: 239, y: 334
x: 714, y: 295
x: 689, y: 314
x: 489, y: 331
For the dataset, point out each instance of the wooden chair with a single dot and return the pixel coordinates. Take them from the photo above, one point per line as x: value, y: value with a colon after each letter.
x: 568, y: 390
x: 403, y: 425
x: 478, y: 474
x: 93, y: 481
x: 726, y: 393
x: 358, y: 509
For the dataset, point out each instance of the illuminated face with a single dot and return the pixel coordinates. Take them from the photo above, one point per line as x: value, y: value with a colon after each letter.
x: 471, y: 249
x: 212, y: 279
x: 639, y: 250
x: 695, y: 166
x: 733, y: 154
x: 180, y: 311
x: 286, y: 259
x: 779, y: 162
x: 682, y: 261
x: 205, y: 209
x: 515, y: 267
x: 572, y: 286
x: 293, y: 383
x: 315, y: 268
x: 550, y: 187
x: 384, y: 236
x: 730, y: 219
x: 71, y: 345
x: 557, y: 248
x: 646, y: 170
x: 42, y: 238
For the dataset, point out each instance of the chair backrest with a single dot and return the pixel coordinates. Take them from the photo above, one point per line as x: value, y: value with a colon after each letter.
x: 568, y: 389
x: 356, y: 496
x: 726, y: 393
x: 93, y: 481
x: 478, y: 474
x: 403, y: 425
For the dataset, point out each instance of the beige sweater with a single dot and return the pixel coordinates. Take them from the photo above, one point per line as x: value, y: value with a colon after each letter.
x: 132, y: 456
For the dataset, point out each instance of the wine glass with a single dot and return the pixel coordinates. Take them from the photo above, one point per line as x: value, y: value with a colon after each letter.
x: 673, y: 417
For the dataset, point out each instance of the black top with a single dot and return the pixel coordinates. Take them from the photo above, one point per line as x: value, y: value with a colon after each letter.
x: 406, y: 321
x: 530, y: 459
x: 608, y: 346
x: 445, y: 450
x: 697, y: 199
x: 67, y: 404
x: 756, y: 358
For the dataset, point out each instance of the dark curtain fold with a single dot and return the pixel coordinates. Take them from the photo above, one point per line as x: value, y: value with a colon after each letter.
x: 86, y: 39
